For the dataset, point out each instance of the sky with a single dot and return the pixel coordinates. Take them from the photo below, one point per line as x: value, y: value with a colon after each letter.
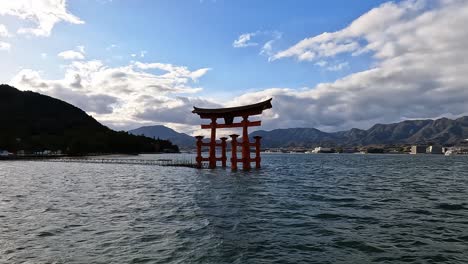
x: 332, y: 65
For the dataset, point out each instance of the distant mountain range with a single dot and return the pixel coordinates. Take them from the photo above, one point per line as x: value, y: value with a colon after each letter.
x: 162, y: 132
x: 442, y: 131
x: 34, y: 122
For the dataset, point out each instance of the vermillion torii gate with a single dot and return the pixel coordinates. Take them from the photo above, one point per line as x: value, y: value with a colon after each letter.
x: 228, y: 114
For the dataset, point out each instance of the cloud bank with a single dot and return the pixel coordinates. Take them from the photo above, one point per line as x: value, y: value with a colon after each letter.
x: 121, y: 96
x: 419, y: 71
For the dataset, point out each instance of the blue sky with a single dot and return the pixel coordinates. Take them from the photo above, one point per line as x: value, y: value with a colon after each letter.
x: 196, y: 34
x: 173, y: 54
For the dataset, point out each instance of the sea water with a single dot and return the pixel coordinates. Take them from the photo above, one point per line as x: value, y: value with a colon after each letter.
x: 324, y: 208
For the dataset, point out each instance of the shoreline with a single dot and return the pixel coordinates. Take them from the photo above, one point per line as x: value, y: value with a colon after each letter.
x: 39, y: 157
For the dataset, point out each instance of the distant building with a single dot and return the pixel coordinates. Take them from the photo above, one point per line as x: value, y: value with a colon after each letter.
x: 273, y: 150
x: 350, y: 150
x: 434, y: 150
x: 418, y: 149
x: 43, y: 153
x: 461, y: 147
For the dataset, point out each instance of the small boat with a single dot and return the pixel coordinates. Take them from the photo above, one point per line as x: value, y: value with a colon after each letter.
x: 450, y: 153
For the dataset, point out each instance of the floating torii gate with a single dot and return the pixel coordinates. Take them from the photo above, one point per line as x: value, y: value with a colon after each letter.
x: 228, y: 114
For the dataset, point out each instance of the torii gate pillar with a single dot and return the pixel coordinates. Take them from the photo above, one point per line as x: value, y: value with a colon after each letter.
x: 213, y: 144
x: 245, y: 144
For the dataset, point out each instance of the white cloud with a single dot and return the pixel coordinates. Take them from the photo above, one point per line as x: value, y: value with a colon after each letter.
x: 112, y: 46
x: 338, y: 67
x: 265, y: 37
x: 44, y: 13
x: 78, y: 54
x: 141, y: 54
x: 175, y: 72
x: 372, y: 27
x: 81, y: 49
x: 44, y: 55
x: 71, y: 55
x: 5, y: 46
x: 244, y: 40
x: 321, y: 63
x: 4, y: 31
x: 120, y: 95
x: 267, y: 48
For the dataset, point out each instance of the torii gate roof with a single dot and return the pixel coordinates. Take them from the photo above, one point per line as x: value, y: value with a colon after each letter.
x: 231, y: 112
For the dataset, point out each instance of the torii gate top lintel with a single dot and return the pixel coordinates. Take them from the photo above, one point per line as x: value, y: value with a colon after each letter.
x: 231, y: 112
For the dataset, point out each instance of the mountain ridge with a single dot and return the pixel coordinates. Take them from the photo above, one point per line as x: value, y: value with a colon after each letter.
x: 442, y: 131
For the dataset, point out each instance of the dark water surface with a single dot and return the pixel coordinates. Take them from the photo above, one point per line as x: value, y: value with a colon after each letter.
x: 297, y: 209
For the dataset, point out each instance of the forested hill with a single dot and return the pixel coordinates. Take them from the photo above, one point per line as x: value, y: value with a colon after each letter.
x: 35, y: 122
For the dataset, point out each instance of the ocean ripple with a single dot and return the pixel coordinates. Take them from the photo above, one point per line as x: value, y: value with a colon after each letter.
x: 296, y: 209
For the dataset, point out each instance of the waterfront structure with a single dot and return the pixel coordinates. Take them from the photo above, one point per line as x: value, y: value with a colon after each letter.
x: 418, y: 149
x: 322, y: 150
x: 229, y: 114
x: 460, y: 149
x: 462, y: 146
x: 4, y: 153
x: 434, y: 150
x: 274, y: 150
